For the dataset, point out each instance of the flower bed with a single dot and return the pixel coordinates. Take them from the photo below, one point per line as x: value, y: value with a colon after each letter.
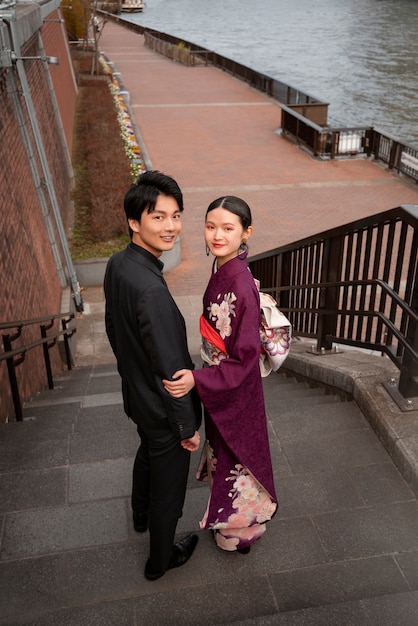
x: 130, y: 142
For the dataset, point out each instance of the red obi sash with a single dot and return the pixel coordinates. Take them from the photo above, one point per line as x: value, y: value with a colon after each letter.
x: 210, y: 334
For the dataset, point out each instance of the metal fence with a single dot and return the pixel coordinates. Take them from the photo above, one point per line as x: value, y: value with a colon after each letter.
x: 331, y: 143
x: 356, y: 284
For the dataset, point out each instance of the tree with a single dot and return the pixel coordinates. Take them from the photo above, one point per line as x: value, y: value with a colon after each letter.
x: 84, y: 24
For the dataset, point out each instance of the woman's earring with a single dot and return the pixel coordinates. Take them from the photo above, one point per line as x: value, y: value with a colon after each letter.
x: 207, y: 250
x: 243, y: 246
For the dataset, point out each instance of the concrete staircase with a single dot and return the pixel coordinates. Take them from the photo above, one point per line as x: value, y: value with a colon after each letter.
x: 343, y: 548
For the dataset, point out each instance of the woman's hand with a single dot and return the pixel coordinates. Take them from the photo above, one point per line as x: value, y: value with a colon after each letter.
x: 191, y: 444
x: 182, y: 383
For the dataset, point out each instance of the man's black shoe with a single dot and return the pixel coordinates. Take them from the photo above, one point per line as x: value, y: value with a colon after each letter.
x: 182, y: 551
x: 140, y: 522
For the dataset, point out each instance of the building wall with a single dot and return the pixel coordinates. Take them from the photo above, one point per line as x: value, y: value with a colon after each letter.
x: 33, y: 273
x: 56, y: 44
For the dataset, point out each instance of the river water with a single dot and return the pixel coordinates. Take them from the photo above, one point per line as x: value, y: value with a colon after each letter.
x: 360, y: 56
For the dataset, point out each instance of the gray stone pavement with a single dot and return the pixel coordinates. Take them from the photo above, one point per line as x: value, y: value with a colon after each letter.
x: 342, y: 550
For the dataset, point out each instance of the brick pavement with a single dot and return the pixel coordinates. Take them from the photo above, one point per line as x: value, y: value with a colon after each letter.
x: 217, y: 135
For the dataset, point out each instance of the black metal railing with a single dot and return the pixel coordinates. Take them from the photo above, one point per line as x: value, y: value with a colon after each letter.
x: 15, y: 356
x: 356, y: 284
x: 331, y: 143
x: 326, y: 142
x: 398, y: 156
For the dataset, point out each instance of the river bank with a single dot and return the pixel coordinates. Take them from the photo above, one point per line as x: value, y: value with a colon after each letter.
x: 360, y: 56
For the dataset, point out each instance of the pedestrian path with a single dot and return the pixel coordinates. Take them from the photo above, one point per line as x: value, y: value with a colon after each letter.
x: 217, y: 135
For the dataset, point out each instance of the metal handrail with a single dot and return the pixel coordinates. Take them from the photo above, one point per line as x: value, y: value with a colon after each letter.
x: 356, y: 284
x: 352, y: 312
x: 35, y: 320
x: 47, y: 342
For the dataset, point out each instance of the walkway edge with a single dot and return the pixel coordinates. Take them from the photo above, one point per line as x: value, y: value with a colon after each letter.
x: 361, y: 376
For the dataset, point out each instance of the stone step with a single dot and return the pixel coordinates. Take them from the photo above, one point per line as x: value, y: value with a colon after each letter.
x: 383, y: 610
x: 342, y: 548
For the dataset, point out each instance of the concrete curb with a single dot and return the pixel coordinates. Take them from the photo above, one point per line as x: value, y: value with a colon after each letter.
x: 90, y: 272
x: 361, y: 376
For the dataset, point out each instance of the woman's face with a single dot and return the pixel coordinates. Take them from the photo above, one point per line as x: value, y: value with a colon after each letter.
x: 224, y: 234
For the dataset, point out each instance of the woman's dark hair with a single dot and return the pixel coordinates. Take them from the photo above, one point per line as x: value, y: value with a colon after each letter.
x: 142, y: 195
x: 234, y: 205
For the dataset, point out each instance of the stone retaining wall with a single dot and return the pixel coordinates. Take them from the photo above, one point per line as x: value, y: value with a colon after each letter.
x: 33, y: 273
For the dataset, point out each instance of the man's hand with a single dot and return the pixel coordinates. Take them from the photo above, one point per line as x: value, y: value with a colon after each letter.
x: 182, y: 383
x: 191, y: 444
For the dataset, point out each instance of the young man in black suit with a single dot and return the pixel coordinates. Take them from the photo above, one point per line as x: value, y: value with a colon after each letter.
x: 148, y: 336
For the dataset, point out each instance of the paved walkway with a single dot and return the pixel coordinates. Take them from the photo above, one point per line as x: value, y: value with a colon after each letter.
x: 216, y: 135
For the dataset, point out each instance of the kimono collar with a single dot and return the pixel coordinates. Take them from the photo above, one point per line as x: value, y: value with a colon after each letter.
x: 232, y: 267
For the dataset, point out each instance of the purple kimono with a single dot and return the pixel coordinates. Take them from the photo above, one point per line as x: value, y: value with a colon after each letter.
x: 236, y: 457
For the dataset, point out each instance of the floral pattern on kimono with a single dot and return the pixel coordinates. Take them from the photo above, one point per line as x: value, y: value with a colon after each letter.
x: 248, y: 506
x: 236, y: 458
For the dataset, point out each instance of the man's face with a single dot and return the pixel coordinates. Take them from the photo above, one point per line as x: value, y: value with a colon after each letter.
x: 157, y: 231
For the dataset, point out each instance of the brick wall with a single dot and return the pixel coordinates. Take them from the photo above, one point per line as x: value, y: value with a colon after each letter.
x: 30, y: 285
x: 55, y: 43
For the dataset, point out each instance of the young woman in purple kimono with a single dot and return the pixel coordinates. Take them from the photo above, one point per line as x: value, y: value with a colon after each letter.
x: 236, y: 456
